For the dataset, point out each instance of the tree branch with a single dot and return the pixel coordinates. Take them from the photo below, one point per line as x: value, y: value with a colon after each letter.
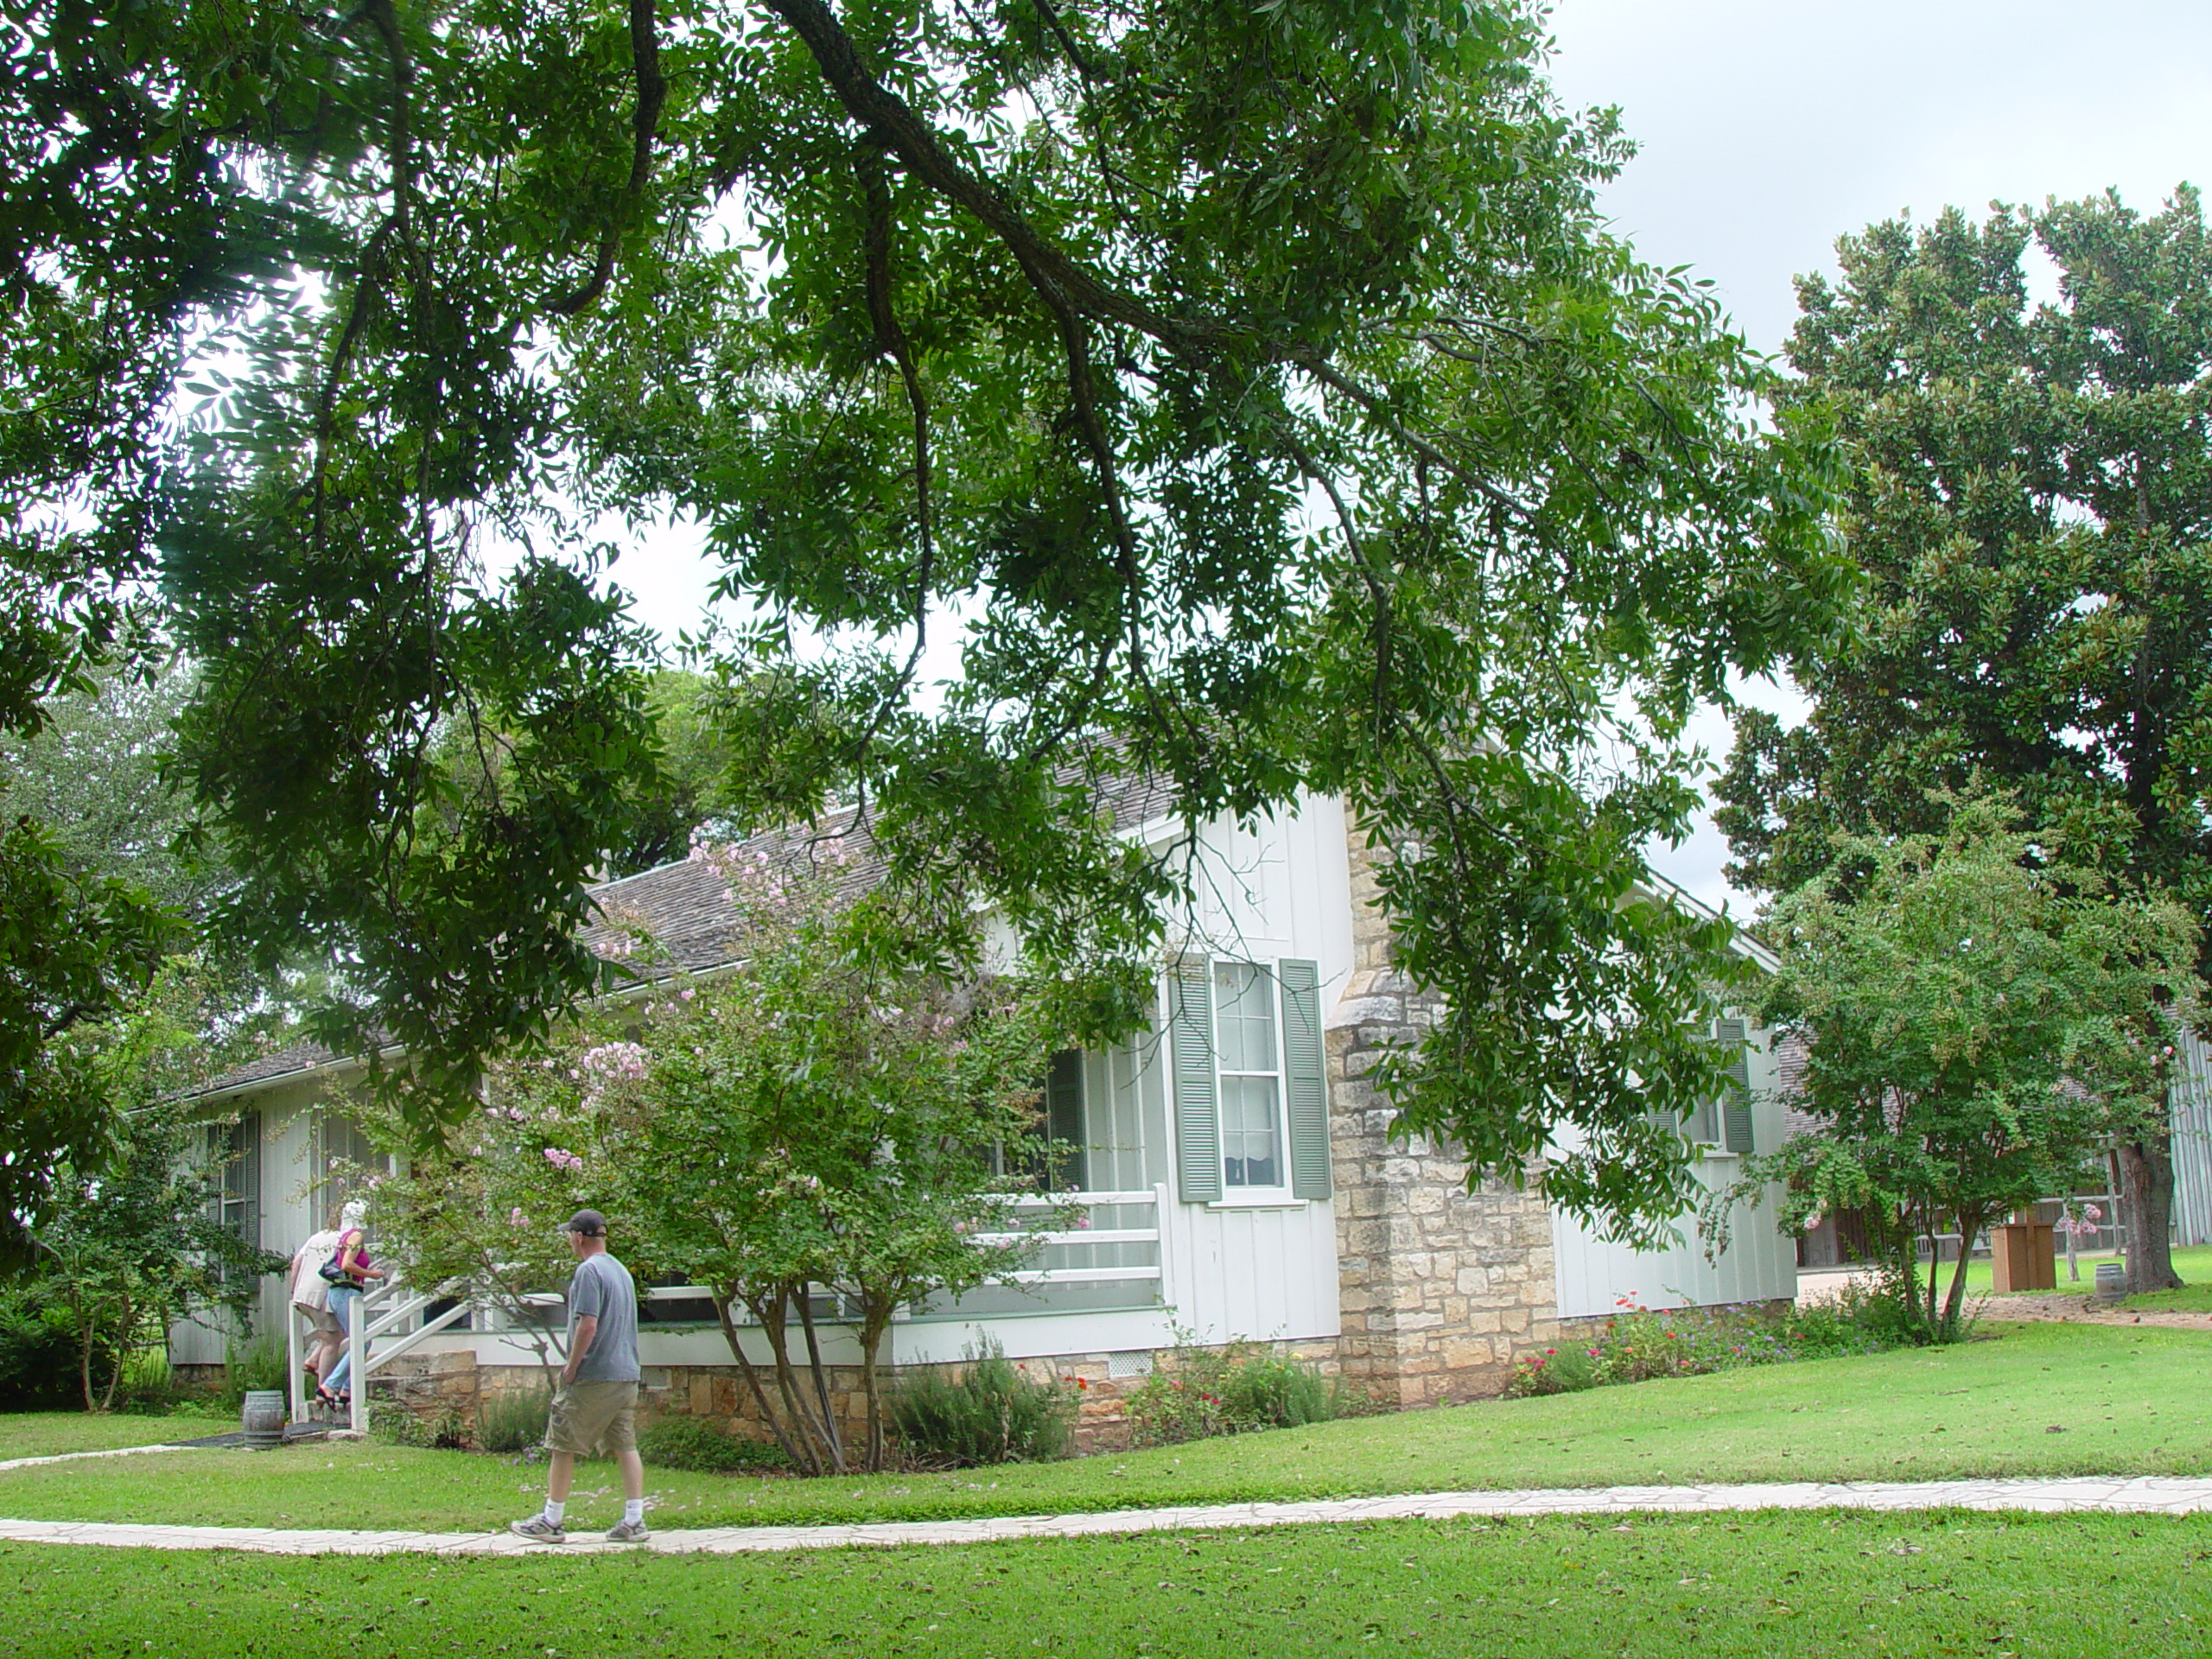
x: 645, y: 122
x: 885, y: 114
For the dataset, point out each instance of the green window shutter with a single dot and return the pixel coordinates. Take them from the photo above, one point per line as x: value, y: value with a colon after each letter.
x: 249, y: 1178
x: 1063, y: 1120
x: 1736, y: 1105
x: 1197, y: 1104
x: 1305, y: 1088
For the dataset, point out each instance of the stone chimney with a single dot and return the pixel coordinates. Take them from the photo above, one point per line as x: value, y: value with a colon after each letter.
x: 1440, y: 1289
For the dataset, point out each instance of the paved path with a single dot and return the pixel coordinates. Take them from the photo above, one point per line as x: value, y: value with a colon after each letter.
x: 112, y: 1452
x: 2149, y: 1495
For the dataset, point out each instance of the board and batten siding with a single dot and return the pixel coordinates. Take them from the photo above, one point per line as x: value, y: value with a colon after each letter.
x: 1278, y: 892
x: 1759, y: 1265
x: 2189, y: 1098
x: 287, y: 1113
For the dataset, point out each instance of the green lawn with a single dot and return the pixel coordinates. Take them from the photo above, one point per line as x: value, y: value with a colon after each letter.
x: 1773, y: 1587
x: 2130, y: 1400
x: 2194, y: 1264
x: 43, y: 1434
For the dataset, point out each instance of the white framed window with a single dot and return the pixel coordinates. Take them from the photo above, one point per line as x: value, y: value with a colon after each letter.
x: 341, y: 1153
x: 1251, y: 1099
x: 1248, y: 1066
x: 235, y: 1149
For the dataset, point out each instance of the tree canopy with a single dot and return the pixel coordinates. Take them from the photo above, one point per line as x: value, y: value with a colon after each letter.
x: 1255, y: 396
x: 2031, y: 499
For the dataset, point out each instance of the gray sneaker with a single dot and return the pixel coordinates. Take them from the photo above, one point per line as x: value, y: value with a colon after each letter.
x: 538, y: 1529
x: 627, y: 1531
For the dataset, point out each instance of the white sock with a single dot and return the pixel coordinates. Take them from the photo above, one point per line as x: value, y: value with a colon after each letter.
x: 633, y: 1510
x: 555, y: 1511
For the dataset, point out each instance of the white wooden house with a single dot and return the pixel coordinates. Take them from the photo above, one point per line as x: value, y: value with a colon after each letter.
x: 1236, y: 1165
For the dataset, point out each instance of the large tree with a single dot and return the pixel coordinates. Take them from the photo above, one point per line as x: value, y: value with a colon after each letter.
x: 2031, y: 499
x: 1256, y: 395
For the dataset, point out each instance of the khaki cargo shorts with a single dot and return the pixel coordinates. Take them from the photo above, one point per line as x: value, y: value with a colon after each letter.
x: 593, y: 1419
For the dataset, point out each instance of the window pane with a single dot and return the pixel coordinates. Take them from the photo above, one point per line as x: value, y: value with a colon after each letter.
x: 1244, y: 1018
x: 1251, y: 1146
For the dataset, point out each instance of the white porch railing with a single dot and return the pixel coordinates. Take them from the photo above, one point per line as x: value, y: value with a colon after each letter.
x: 384, y: 1308
x: 387, y: 1320
x: 1072, y: 1273
x: 1059, y: 1243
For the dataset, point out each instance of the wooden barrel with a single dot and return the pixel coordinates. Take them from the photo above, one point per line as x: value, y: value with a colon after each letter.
x: 2111, y: 1280
x: 264, y: 1418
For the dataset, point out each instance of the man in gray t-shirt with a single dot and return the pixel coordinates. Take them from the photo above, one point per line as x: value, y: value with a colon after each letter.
x: 594, y: 1408
x: 602, y: 1289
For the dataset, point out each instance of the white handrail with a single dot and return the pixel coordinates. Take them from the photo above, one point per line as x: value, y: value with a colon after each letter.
x: 363, y: 1332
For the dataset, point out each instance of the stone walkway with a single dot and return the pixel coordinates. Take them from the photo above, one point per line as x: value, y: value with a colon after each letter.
x: 2148, y: 1495
x: 112, y: 1452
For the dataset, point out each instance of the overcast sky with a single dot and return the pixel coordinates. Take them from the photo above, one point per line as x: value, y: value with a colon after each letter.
x: 1768, y: 127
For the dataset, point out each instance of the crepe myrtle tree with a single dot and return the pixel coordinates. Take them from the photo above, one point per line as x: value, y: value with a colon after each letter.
x: 833, y: 1118
x: 1252, y: 400
x: 827, y: 1123
x: 482, y: 1210
x: 1981, y: 1014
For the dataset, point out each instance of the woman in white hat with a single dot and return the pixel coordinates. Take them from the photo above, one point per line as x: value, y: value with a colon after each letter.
x: 351, y: 1259
x: 311, y: 1298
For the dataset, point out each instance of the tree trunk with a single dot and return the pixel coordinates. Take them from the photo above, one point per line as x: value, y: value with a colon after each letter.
x: 770, y: 1310
x: 831, y: 1433
x: 85, y: 1337
x: 125, y: 1325
x: 760, y: 1394
x: 1969, y: 1224
x: 2146, y: 1183
x: 874, y: 1324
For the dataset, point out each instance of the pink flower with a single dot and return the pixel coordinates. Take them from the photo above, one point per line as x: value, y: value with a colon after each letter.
x: 616, y: 1062
x: 562, y: 1157
x: 516, y: 1218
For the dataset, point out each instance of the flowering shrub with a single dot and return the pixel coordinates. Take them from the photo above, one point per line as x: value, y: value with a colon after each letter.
x: 1228, y: 1390
x: 1637, y: 1344
x: 1567, y: 1369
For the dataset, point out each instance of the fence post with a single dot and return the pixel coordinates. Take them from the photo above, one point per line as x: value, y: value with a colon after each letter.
x: 357, y: 1373
x: 294, y: 1390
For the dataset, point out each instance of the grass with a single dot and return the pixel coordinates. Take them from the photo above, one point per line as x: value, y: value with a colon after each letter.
x: 43, y: 1434
x: 2193, y: 1263
x: 2131, y: 1400
x: 1776, y: 1587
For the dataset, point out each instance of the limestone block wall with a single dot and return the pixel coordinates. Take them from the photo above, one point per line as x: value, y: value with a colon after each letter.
x: 454, y: 1387
x: 1440, y: 1288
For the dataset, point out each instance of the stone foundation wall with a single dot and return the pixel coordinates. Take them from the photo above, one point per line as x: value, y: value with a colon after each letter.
x: 436, y: 1386
x: 1440, y: 1289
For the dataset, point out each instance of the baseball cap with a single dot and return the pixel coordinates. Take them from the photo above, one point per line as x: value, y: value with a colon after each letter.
x: 589, y: 1221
